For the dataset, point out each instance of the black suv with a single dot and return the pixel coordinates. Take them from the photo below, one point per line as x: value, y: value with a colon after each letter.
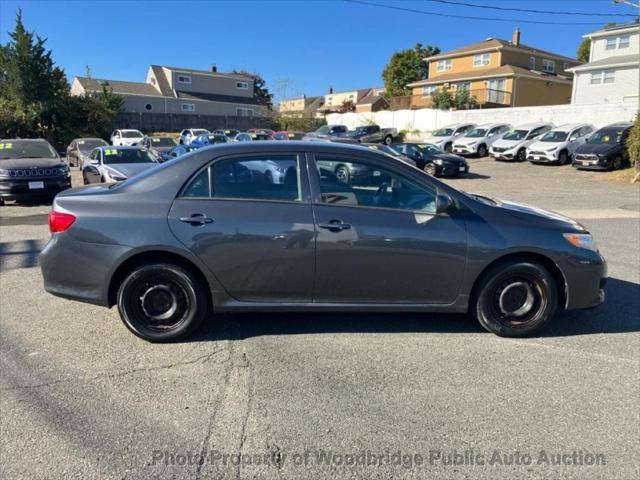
x: 31, y: 170
x: 606, y: 149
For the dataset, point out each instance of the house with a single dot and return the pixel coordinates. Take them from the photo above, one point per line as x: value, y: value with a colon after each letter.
x: 334, y: 101
x: 498, y: 73
x: 612, y: 74
x: 300, y: 107
x: 373, y: 101
x: 181, y: 90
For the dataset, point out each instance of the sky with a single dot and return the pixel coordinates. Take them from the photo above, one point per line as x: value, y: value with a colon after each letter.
x: 296, y: 46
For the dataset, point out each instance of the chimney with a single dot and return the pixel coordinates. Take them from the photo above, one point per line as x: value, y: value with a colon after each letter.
x: 330, y: 90
x: 515, y: 38
x: 214, y: 68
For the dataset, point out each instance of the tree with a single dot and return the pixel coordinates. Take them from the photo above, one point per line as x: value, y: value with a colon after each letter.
x: 407, y: 66
x: 260, y: 92
x: 347, y: 106
x: 463, y: 100
x: 442, y: 99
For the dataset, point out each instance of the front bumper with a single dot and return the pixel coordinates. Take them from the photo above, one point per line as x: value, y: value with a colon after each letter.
x: 464, y: 149
x: 599, y: 164
x: 501, y: 155
x: 32, y: 188
x: 542, y: 157
x: 586, y: 277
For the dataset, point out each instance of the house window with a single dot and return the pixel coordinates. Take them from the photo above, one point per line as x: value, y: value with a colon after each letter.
x: 443, y: 65
x: 481, y: 60
x: 548, y: 65
x: 184, y: 78
x: 462, y: 85
x: 187, y: 107
x: 614, y: 43
x: 603, y: 76
x: 565, y: 65
x: 148, y: 107
x: 532, y: 63
x: 244, y: 112
x: 428, y: 90
x: 242, y: 85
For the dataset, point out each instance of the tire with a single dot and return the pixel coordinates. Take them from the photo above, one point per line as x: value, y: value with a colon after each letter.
x: 84, y: 179
x: 482, y: 150
x: 430, y: 168
x: 161, y: 302
x: 448, y: 147
x: 563, y: 157
x: 343, y: 175
x: 388, y: 140
x: 617, y: 163
x: 522, y: 155
x: 517, y: 299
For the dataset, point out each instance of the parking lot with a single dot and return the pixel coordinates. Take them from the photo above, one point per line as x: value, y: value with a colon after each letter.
x: 326, y: 395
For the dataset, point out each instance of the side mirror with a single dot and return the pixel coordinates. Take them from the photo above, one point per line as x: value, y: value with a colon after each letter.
x: 94, y: 162
x: 443, y: 203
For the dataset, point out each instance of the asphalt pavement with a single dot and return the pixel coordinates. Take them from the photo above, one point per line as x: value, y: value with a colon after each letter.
x: 297, y: 396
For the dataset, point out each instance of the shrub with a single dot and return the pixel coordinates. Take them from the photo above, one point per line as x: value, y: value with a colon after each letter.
x: 633, y: 144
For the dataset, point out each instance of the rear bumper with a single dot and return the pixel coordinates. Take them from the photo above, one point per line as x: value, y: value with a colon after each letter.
x: 21, y: 190
x: 451, y: 170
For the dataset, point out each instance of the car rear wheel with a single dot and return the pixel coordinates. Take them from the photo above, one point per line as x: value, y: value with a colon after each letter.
x: 563, y: 157
x: 161, y: 302
x: 388, y: 140
x: 617, y: 163
x: 84, y: 179
x: 517, y: 299
x: 482, y: 151
x: 522, y: 155
x: 430, y: 168
x: 448, y: 147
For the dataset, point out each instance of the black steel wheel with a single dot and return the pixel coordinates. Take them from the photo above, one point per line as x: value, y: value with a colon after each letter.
x: 161, y: 302
x: 563, y: 157
x: 617, y: 163
x: 516, y: 299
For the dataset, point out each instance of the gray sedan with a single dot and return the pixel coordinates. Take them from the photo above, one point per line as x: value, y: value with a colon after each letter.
x: 210, y: 234
x: 114, y: 164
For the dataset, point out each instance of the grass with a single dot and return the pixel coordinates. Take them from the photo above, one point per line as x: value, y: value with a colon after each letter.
x: 625, y: 175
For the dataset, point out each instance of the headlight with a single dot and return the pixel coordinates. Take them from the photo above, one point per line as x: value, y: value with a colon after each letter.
x: 4, y: 173
x: 64, y: 170
x: 581, y: 240
x: 438, y: 161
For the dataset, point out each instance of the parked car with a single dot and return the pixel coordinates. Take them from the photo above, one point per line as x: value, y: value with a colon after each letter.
x: 31, y: 170
x: 558, y: 145
x: 80, y: 148
x: 445, y: 136
x: 208, y: 139
x: 327, y: 131
x: 373, y: 134
x: 108, y: 164
x: 243, y: 137
x: 260, y: 136
x: 606, y: 149
x: 513, y: 144
x: 159, y: 146
x: 188, y: 134
x: 263, y: 131
x: 288, y: 135
x: 179, y: 150
x: 210, y: 235
x: 126, y: 137
x: 478, y: 140
x: 432, y: 160
x: 229, y: 133
x: 381, y: 147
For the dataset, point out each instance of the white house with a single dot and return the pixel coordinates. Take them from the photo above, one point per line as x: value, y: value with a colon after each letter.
x: 613, y: 72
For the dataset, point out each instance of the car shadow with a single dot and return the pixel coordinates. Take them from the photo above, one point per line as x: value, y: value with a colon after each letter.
x: 619, y: 314
x: 473, y: 176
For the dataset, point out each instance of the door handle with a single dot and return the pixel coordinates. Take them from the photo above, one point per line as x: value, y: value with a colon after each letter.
x: 197, y: 219
x: 335, y: 225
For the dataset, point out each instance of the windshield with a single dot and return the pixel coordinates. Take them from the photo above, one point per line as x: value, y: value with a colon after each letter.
x: 23, y: 149
x: 444, y: 132
x: 515, y: 135
x: 477, y: 132
x: 131, y: 134
x: 162, y: 142
x: 388, y: 150
x: 217, y: 139
x: 606, y: 136
x: 89, y: 144
x: 113, y: 156
x: 360, y: 130
x: 429, y: 148
x: 323, y: 130
x: 199, y: 132
x: 554, y: 136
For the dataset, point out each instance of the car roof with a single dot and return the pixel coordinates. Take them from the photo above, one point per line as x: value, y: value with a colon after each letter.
x: 624, y: 125
x: 88, y: 138
x: 456, y: 125
x: 531, y: 125
x: 123, y: 147
x: 570, y: 126
x: 129, y: 130
x: 23, y: 140
x: 491, y: 125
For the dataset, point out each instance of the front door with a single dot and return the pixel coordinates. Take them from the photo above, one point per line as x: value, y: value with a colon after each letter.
x: 379, y: 239
x: 246, y: 219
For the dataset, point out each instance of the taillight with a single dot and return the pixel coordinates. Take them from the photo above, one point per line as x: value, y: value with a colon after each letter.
x: 59, y: 221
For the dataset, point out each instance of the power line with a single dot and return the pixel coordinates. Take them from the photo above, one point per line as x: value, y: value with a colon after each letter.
x: 464, y: 4
x: 469, y: 17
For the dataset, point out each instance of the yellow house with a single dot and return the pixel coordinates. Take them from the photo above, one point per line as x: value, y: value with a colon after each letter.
x: 498, y: 73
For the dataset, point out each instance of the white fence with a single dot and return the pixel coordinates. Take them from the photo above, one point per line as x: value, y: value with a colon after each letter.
x: 428, y: 119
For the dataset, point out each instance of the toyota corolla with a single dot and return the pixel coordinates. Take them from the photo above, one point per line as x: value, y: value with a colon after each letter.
x: 211, y: 234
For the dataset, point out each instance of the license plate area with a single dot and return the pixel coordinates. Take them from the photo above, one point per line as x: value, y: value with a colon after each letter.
x: 36, y: 185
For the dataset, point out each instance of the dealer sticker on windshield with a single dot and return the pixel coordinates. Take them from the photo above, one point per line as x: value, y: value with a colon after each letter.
x: 111, y: 151
x: 6, y: 146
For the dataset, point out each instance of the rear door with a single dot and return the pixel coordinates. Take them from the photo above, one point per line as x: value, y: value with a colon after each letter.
x: 256, y: 235
x: 379, y: 239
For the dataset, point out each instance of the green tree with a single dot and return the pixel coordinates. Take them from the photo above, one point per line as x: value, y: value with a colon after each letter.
x: 260, y: 91
x: 463, y: 100
x: 407, y: 66
x: 442, y: 99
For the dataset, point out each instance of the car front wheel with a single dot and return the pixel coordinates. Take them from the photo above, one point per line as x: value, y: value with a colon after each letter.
x: 161, y: 302
x: 517, y: 299
x: 482, y: 151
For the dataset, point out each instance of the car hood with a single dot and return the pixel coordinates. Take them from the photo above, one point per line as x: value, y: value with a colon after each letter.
x: 534, y: 213
x: 129, y: 169
x: 508, y: 144
x: 162, y: 149
x: 468, y: 140
x: 31, y: 163
x: 598, y: 148
x: 543, y: 146
x: 449, y: 157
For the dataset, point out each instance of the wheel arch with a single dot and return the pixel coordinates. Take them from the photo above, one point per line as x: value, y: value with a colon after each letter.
x: 525, y: 256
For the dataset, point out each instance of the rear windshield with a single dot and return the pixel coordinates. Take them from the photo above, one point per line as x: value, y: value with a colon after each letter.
x: 24, y: 149
x: 477, y: 133
x: 162, y: 142
x: 199, y: 132
x: 114, y: 156
x: 131, y: 134
x: 554, y: 136
x: 217, y: 139
x: 90, y: 143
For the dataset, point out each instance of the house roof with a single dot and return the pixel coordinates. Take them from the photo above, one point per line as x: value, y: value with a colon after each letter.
x: 372, y: 99
x: 494, y: 44
x: 163, y: 82
x: 214, y: 97
x: 206, y: 72
x: 615, y: 61
x: 613, y: 28
x: 502, y: 71
x: 118, y: 86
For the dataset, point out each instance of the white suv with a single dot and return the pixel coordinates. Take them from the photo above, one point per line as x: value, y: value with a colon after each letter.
x: 558, y: 145
x: 189, y: 134
x: 446, y: 136
x: 513, y: 144
x: 126, y: 137
x: 478, y: 140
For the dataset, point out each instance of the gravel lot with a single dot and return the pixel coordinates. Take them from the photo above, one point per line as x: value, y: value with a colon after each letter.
x: 405, y: 394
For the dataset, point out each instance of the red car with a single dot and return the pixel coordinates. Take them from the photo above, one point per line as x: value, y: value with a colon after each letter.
x: 285, y: 135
